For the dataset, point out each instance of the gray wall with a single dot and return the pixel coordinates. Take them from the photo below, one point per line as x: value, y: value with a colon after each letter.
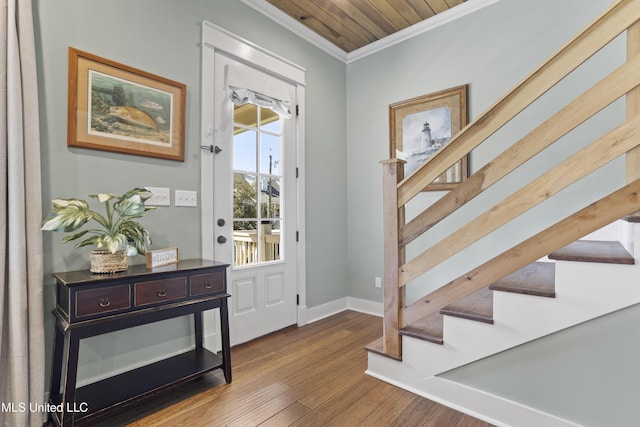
x: 162, y: 37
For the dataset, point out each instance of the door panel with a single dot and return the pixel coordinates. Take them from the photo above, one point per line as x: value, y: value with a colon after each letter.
x: 255, y: 193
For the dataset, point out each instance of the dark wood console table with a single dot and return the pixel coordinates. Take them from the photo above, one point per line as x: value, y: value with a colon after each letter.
x: 93, y: 304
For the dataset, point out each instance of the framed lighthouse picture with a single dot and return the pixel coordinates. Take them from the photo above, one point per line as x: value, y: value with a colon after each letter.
x: 421, y: 126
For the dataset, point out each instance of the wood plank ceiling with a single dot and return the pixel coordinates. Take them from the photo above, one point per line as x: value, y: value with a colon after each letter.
x: 352, y: 24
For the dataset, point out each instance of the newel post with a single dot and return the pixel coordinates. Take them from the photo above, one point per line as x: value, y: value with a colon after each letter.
x: 393, y: 218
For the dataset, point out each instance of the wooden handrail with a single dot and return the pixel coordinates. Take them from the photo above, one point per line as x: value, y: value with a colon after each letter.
x: 609, y: 25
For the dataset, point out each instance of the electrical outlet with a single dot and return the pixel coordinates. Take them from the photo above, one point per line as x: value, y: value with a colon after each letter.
x: 186, y: 198
x: 378, y: 282
x: 159, y: 197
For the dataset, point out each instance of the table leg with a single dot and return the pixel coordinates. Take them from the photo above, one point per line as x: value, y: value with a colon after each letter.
x: 56, y: 368
x: 56, y: 362
x: 226, y: 347
x: 69, y: 392
x: 198, y: 330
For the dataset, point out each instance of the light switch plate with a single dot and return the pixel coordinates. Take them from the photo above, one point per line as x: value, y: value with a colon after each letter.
x: 186, y: 198
x: 160, y: 196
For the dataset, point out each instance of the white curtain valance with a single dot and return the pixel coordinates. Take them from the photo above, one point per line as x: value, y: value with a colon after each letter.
x: 240, y: 96
x: 246, y: 85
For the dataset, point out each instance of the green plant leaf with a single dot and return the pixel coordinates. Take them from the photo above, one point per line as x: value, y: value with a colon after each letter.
x: 115, y: 243
x: 137, y: 236
x: 74, y: 236
x: 103, y: 197
x: 67, y: 215
x: 93, y: 240
x: 132, y: 207
x: 117, y: 231
x: 142, y: 192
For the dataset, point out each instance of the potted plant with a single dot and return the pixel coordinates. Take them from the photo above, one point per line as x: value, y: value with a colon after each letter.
x: 116, y: 236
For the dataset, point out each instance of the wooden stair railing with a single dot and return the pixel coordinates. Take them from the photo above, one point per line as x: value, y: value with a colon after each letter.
x: 397, y: 191
x: 607, y: 148
x: 595, y: 216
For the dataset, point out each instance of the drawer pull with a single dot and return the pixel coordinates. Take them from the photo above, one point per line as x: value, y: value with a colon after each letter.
x: 208, y: 285
x: 104, y: 302
x: 162, y: 293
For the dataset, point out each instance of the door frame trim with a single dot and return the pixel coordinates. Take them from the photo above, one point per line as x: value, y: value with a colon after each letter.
x: 215, y: 38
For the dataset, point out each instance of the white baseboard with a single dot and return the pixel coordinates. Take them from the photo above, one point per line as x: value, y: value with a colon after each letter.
x: 319, y: 312
x: 479, y: 404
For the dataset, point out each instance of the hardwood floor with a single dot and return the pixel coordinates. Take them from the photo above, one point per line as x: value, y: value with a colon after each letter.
x: 308, y: 376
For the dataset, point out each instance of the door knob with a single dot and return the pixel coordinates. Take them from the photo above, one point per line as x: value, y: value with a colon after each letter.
x: 222, y: 239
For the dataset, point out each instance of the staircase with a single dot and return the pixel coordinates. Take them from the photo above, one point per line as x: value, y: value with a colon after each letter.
x: 548, y: 282
x: 579, y: 282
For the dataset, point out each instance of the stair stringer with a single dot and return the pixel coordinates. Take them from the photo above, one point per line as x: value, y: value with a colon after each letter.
x: 584, y: 291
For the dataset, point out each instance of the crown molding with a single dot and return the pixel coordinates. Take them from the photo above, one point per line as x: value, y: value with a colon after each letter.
x: 275, y: 14
x: 464, y: 9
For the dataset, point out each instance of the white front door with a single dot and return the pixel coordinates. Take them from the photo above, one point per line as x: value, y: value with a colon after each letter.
x: 254, y: 200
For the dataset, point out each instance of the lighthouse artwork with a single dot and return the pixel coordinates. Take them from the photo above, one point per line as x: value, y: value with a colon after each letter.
x: 423, y: 134
x: 421, y: 126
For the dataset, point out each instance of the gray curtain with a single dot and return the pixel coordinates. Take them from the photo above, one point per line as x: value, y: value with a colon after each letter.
x: 21, y: 277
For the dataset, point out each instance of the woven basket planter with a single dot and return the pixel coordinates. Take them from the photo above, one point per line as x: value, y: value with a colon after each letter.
x: 105, y: 262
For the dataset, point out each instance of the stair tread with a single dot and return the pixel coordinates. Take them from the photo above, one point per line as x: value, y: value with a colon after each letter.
x: 611, y: 252
x: 377, y: 347
x: 635, y: 218
x: 428, y: 328
x: 477, y: 306
x: 536, y: 279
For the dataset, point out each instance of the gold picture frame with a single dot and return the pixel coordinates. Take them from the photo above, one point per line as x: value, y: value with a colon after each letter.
x: 117, y: 108
x: 420, y: 126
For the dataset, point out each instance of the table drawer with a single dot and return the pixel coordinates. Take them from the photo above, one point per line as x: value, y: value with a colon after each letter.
x: 205, y: 284
x: 103, y: 300
x: 158, y: 291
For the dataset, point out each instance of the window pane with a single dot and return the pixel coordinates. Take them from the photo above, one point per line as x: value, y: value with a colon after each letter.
x: 244, y: 150
x: 271, y: 241
x: 245, y: 196
x: 245, y: 243
x: 273, y: 125
x: 269, y: 197
x: 270, y: 154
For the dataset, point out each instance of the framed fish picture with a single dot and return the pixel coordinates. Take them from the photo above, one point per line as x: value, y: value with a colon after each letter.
x: 114, y: 107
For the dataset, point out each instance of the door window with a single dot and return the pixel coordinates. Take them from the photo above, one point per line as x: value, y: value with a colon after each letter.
x: 257, y: 185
